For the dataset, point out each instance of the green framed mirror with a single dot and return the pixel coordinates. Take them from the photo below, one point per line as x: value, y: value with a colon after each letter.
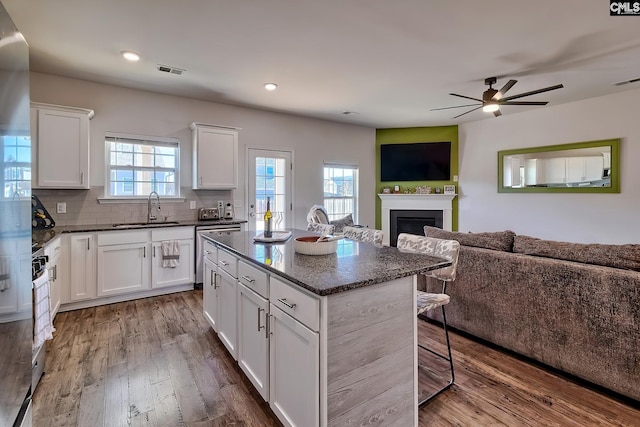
x: 581, y: 167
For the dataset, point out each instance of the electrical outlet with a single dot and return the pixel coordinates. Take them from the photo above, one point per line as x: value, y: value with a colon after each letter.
x: 220, y: 205
x: 61, y: 208
x: 192, y: 204
x: 455, y: 178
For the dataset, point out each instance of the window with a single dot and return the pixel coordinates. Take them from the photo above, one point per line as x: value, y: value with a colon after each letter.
x: 16, y: 166
x: 138, y: 165
x: 340, y: 190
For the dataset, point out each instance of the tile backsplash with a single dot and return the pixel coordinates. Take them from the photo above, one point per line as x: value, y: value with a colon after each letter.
x: 83, y: 207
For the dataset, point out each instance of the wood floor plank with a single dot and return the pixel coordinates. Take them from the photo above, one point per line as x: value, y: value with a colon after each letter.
x: 156, y: 362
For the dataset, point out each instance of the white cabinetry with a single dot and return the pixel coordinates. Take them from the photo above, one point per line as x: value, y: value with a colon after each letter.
x: 253, y: 337
x: 215, y: 157
x: 82, y: 267
x: 124, y: 259
x: 210, y: 293
x: 162, y: 276
x: 60, y: 138
x: 294, y: 356
x: 53, y: 250
x: 227, y: 299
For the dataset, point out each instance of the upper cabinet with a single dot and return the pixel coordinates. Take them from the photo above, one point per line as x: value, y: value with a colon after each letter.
x: 215, y: 157
x: 60, y: 146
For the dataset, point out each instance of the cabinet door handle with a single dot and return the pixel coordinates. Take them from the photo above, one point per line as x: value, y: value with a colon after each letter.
x: 144, y: 251
x: 82, y: 178
x: 284, y: 301
x: 88, y: 244
x: 55, y: 273
x: 200, y: 179
x: 268, y: 330
x: 211, y: 279
x: 215, y: 281
x: 259, y: 326
x: 154, y: 251
x: 224, y: 263
x: 248, y: 279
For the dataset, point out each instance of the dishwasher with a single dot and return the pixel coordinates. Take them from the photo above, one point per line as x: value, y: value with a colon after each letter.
x: 211, y: 229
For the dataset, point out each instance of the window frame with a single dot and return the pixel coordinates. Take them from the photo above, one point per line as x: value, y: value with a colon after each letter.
x: 356, y: 190
x: 143, y: 140
x: 24, y: 165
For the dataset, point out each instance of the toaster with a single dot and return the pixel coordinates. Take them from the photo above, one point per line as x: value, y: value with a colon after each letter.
x: 208, y: 213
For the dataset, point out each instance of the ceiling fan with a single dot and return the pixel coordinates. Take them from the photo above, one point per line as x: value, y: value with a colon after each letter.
x: 492, y: 99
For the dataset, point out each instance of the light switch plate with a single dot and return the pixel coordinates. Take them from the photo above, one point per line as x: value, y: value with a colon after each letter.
x: 61, y: 208
x: 192, y: 204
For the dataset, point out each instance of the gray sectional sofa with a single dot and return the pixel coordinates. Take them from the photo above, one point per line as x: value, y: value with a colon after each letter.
x: 574, y: 307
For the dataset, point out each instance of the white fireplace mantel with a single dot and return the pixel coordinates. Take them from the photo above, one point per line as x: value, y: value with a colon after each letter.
x: 435, y: 202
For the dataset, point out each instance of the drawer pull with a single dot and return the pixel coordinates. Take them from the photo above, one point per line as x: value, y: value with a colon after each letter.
x: 225, y: 263
x: 284, y: 301
x: 208, y: 252
x: 248, y: 279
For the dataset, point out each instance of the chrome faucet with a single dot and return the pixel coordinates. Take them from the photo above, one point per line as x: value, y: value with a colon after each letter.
x: 150, y: 216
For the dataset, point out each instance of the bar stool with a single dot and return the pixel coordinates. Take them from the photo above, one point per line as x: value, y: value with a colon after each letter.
x: 316, y: 227
x: 447, y: 249
x: 362, y: 234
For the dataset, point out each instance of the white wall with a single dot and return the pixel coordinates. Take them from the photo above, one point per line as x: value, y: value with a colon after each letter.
x: 589, y: 218
x: 126, y: 110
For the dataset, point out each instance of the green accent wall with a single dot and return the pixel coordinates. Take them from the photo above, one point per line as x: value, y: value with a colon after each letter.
x: 421, y: 134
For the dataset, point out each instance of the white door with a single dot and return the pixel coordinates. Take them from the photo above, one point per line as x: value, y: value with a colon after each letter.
x: 253, y: 341
x: 294, y: 370
x: 169, y: 276
x: 269, y: 176
x: 210, y: 291
x: 123, y: 268
x: 227, y: 327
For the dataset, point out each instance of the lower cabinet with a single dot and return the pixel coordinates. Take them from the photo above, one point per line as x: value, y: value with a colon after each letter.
x: 253, y: 338
x: 227, y: 327
x: 294, y: 392
x: 210, y: 293
x: 123, y: 268
x: 82, y: 267
x: 169, y: 276
x: 53, y: 250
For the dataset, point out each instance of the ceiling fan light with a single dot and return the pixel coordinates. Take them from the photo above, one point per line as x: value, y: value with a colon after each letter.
x: 490, y: 107
x: 130, y: 56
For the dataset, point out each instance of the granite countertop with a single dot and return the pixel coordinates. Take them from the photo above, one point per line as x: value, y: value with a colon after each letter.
x: 354, y: 265
x: 42, y: 237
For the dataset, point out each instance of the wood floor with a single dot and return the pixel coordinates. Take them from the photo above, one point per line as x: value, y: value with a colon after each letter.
x: 156, y: 362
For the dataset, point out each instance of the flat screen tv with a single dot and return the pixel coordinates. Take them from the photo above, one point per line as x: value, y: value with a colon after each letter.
x: 422, y: 161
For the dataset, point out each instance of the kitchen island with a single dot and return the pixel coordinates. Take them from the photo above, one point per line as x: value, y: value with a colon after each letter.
x: 327, y: 340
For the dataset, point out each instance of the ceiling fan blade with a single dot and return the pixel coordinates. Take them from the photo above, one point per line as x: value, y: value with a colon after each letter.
x: 497, y: 113
x: 457, y: 106
x: 504, y: 89
x: 524, y: 103
x: 533, y: 92
x: 467, y: 112
x: 468, y: 97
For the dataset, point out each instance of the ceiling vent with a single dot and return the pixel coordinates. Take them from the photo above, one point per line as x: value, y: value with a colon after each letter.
x: 170, y: 70
x: 626, y: 82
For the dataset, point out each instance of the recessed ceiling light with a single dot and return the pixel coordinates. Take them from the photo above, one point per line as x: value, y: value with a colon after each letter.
x: 130, y: 56
x: 270, y: 86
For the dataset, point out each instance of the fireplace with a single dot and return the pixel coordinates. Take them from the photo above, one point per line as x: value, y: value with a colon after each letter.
x: 442, y: 204
x: 412, y: 222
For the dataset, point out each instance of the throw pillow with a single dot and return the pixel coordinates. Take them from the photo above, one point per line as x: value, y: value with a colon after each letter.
x: 341, y: 223
x: 498, y: 240
x: 617, y: 256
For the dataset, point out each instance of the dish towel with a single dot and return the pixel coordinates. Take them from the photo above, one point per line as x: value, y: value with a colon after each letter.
x: 42, y: 327
x: 5, y: 273
x: 170, y: 253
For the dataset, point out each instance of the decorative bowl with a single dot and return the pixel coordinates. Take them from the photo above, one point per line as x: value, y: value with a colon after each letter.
x: 308, y: 245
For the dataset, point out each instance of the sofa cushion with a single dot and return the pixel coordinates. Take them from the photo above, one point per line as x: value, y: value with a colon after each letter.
x: 498, y: 240
x: 617, y: 256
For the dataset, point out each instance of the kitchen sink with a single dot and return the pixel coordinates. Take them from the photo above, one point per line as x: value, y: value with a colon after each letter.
x: 144, y: 224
